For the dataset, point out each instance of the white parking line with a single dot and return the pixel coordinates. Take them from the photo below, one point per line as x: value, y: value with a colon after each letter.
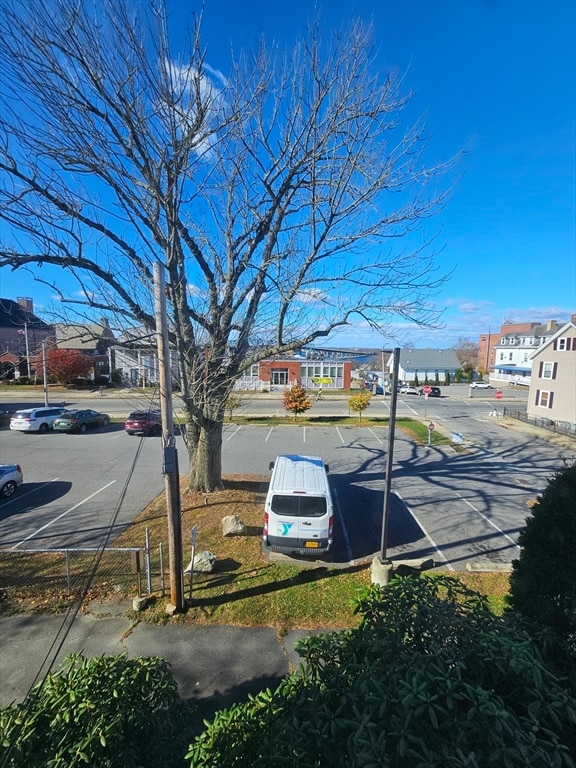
x: 238, y: 428
x: 303, y: 434
x: 340, y: 436
x: 376, y: 436
x: 405, y: 404
x: 269, y: 433
x: 425, y: 532
x: 63, y: 514
x: 488, y: 520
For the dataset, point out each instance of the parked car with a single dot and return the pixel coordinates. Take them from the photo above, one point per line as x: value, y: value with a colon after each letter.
x: 481, y: 385
x: 434, y: 392
x: 408, y: 389
x: 35, y: 419
x: 80, y: 421
x: 10, y: 478
x: 143, y: 423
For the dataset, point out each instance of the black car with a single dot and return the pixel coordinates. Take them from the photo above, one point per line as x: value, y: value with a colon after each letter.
x: 434, y: 391
x: 143, y: 423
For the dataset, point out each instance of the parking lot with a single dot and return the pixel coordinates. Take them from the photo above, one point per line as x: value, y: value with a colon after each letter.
x: 464, y: 510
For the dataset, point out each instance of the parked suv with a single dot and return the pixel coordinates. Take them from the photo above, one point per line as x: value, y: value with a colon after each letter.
x: 143, y: 423
x: 35, y: 419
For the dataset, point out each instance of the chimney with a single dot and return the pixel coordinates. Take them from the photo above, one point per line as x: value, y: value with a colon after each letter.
x: 551, y: 324
x: 26, y: 304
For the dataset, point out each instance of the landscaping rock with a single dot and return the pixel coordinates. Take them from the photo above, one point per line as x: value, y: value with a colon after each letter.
x: 233, y: 526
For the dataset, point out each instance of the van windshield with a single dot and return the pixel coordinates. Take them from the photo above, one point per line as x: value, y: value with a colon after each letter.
x: 298, y: 506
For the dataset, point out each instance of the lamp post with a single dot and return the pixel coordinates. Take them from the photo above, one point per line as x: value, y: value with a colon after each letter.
x: 381, y: 566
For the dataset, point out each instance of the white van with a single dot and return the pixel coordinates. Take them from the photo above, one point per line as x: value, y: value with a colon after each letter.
x: 298, y: 516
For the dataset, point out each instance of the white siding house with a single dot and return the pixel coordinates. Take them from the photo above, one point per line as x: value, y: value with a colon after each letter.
x: 513, y: 354
x: 552, y: 393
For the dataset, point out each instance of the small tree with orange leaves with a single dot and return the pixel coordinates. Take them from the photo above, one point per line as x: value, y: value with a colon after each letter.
x: 297, y: 400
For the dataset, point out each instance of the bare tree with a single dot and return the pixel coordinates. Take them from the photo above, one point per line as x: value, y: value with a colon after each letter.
x: 275, y: 194
x: 467, y: 353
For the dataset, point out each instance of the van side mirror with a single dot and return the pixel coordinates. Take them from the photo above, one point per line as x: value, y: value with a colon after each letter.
x: 327, y: 468
x: 271, y: 466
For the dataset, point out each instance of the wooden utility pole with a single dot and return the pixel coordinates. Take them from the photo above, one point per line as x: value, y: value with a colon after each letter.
x: 170, y: 455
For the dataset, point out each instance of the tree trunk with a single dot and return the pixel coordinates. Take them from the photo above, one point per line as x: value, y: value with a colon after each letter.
x: 205, y: 456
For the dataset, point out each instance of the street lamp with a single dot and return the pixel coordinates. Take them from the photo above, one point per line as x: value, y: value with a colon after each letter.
x: 381, y: 566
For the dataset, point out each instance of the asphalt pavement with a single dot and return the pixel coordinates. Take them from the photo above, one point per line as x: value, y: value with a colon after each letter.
x: 213, y: 666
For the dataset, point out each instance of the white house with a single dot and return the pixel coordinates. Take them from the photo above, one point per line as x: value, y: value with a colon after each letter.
x: 513, y: 354
x: 426, y: 365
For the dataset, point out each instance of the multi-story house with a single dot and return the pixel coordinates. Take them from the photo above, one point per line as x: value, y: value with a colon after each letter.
x: 513, y: 353
x: 22, y: 335
x: 487, y: 343
x: 553, y: 386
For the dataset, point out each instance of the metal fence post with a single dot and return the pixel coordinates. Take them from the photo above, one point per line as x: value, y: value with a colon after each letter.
x: 148, y: 564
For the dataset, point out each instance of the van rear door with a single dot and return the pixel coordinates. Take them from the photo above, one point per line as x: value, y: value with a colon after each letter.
x: 301, y: 520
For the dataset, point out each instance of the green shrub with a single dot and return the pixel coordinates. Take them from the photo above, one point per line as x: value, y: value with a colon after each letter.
x: 100, y: 712
x: 430, y: 678
x: 543, y: 579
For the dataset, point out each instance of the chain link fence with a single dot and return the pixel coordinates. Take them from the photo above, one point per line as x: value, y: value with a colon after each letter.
x: 69, y: 572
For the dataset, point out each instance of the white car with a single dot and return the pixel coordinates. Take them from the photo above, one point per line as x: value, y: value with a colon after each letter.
x: 35, y: 419
x: 10, y: 478
x: 481, y: 385
x: 408, y: 390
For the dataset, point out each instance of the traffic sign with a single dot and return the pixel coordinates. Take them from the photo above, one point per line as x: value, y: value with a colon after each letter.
x: 427, y: 390
x: 498, y: 394
x: 431, y: 426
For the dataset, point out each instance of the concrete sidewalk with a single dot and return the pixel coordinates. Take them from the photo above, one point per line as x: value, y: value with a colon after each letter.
x: 214, y: 666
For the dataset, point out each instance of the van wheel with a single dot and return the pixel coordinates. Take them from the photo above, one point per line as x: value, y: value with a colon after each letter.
x: 43, y: 427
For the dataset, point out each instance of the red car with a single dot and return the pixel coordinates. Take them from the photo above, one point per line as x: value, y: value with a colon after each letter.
x: 143, y: 423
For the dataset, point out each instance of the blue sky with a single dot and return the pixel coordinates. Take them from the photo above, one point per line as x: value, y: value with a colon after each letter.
x: 497, y: 77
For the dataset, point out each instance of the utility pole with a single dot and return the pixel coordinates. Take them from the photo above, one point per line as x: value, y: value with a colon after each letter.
x: 44, y: 372
x: 170, y: 455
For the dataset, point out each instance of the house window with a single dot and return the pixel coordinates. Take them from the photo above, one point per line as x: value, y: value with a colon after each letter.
x: 547, y: 370
x: 510, y: 356
x: 544, y: 398
x: 562, y: 344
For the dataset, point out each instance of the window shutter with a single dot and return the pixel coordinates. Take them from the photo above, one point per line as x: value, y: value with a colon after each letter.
x: 550, y: 399
x: 540, y: 368
x: 554, y: 369
x: 555, y: 343
x: 537, y: 397
x: 568, y: 343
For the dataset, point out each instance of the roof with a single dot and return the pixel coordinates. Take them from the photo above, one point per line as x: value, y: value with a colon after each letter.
x: 83, y: 337
x: 560, y: 332
x: 428, y: 360
x: 13, y: 315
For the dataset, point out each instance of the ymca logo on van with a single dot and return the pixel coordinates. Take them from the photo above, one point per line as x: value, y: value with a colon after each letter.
x: 286, y: 528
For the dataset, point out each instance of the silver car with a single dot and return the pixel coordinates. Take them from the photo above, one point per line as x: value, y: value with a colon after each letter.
x: 10, y: 478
